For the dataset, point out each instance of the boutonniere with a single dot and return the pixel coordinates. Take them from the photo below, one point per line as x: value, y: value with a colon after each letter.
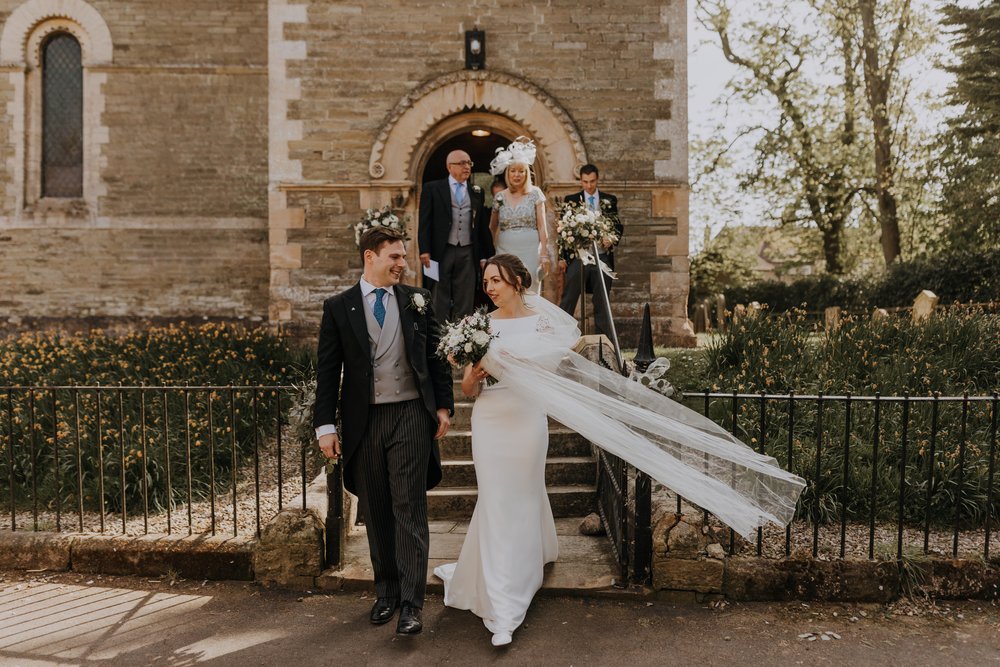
x: 476, y: 189
x: 419, y: 303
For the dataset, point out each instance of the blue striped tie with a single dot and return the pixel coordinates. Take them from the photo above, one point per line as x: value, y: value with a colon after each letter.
x: 379, y: 308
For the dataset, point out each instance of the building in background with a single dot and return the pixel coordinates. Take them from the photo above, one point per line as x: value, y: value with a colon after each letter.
x: 182, y: 159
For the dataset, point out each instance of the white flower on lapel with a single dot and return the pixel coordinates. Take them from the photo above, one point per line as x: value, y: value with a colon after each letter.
x: 418, y: 302
x: 478, y: 190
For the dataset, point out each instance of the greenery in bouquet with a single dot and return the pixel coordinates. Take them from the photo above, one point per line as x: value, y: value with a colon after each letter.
x: 380, y: 217
x: 579, y: 226
x: 467, y: 340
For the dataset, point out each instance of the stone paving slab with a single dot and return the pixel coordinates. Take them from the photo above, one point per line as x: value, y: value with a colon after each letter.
x: 585, y: 566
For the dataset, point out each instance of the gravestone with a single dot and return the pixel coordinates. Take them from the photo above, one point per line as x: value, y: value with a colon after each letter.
x: 924, y: 305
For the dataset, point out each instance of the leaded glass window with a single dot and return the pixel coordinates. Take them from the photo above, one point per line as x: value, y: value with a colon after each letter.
x: 62, y: 117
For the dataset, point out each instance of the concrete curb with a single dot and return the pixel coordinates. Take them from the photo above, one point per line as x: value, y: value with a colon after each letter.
x: 192, y: 557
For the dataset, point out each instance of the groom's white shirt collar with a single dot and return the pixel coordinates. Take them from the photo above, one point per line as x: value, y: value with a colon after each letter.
x: 452, y: 183
x: 367, y: 288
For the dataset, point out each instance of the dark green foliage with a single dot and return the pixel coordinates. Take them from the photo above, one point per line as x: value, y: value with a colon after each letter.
x: 964, y: 276
x: 970, y: 151
x: 954, y: 352
x: 131, y: 436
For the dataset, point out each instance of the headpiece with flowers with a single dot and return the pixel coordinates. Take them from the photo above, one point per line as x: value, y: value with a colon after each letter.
x: 521, y: 151
x: 382, y: 217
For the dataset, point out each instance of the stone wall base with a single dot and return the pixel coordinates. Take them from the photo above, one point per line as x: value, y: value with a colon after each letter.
x: 191, y: 557
x: 690, y: 562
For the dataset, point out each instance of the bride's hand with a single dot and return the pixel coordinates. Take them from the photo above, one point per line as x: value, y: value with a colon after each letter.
x: 478, y: 372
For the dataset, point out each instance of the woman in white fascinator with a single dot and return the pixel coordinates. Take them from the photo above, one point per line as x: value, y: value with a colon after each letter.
x: 518, y: 220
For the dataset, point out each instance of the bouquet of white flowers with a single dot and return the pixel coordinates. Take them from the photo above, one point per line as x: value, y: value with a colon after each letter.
x: 466, y: 341
x: 579, y: 226
x: 382, y: 217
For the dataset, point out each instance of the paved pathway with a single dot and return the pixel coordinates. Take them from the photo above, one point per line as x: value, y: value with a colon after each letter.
x: 70, y: 619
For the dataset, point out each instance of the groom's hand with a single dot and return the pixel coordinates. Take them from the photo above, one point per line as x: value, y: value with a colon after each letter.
x: 330, y: 445
x: 425, y: 259
x: 444, y: 423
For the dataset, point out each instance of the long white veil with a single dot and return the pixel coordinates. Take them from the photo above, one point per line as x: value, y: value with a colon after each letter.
x: 677, y: 447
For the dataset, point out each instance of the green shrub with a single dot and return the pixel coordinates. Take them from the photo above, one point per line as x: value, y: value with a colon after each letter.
x: 956, y: 351
x: 971, y: 276
x: 117, y: 446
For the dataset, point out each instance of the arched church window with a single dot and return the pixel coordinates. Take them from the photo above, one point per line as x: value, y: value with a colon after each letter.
x: 62, y: 117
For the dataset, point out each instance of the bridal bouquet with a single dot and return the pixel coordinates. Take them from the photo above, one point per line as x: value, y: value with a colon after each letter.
x: 579, y: 226
x: 466, y: 341
x: 382, y: 217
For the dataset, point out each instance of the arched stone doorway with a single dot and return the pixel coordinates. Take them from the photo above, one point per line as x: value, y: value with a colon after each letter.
x: 454, y: 103
x: 444, y: 112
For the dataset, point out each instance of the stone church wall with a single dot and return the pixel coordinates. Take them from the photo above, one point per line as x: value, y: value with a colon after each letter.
x: 619, y: 74
x: 178, y: 225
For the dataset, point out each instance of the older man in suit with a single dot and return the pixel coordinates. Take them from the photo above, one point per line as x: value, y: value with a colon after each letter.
x: 378, y: 368
x: 449, y: 233
x: 578, y: 275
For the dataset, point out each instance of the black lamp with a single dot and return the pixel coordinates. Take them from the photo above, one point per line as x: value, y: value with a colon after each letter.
x: 475, y: 49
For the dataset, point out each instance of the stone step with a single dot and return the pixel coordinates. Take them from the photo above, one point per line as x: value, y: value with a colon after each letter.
x: 458, y: 502
x: 559, y: 471
x: 457, y: 445
x: 462, y: 419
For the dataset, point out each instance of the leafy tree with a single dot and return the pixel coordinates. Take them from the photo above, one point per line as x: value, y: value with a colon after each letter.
x: 971, y: 151
x: 833, y: 114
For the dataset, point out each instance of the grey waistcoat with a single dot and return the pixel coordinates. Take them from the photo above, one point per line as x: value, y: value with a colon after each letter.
x: 461, y: 219
x: 392, y: 377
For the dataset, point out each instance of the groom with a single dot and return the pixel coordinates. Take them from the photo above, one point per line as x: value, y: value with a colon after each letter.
x: 394, y: 401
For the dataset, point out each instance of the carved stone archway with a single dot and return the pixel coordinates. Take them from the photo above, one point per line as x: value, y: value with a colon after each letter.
x: 415, y: 124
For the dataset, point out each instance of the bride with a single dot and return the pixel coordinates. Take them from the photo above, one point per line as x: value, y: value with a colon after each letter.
x: 512, y: 533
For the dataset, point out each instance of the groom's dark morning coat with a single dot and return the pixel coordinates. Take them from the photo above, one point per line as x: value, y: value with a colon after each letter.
x: 344, y: 347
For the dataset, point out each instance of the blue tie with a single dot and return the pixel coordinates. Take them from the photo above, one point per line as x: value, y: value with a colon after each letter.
x: 459, y: 193
x: 593, y: 202
x: 379, y: 308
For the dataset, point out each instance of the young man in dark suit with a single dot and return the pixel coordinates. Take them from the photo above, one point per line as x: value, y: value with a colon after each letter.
x: 378, y: 368
x: 449, y: 233
x: 573, y: 267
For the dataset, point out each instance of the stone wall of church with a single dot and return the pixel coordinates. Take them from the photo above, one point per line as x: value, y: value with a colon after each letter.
x: 179, y: 225
x: 619, y: 74
x: 6, y: 147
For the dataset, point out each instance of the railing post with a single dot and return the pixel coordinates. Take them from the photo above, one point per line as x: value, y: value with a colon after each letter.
x: 334, y: 514
x: 642, y: 572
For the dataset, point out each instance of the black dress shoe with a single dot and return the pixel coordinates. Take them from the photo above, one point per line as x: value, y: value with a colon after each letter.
x: 383, y: 610
x: 409, y: 620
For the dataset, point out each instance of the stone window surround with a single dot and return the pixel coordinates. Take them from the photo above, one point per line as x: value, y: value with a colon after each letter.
x: 23, y: 34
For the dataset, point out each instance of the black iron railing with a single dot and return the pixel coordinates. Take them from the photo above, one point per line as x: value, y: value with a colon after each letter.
x: 203, y: 459
x: 910, y: 473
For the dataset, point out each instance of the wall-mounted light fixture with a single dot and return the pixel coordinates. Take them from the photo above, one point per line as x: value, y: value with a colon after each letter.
x: 475, y: 49
x: 481, y: 133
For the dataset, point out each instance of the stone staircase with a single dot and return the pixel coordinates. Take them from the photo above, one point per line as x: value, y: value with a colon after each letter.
x: 570, y: 470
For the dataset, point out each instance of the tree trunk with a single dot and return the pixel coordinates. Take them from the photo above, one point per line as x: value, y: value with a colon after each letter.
x: 877, y: 85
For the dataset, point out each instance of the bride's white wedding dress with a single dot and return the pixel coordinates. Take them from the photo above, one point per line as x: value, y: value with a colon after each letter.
x: 512, y: 534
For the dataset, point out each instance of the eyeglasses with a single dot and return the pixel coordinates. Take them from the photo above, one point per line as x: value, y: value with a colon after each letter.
x: 463, y: 163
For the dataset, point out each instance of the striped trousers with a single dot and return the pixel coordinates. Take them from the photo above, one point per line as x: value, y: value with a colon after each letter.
x: 391, y: 474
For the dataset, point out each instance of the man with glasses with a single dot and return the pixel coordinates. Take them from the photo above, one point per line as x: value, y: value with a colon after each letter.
x: 449, y: 234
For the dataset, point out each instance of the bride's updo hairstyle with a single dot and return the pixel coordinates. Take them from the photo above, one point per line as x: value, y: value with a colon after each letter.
x: 511, y: 268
